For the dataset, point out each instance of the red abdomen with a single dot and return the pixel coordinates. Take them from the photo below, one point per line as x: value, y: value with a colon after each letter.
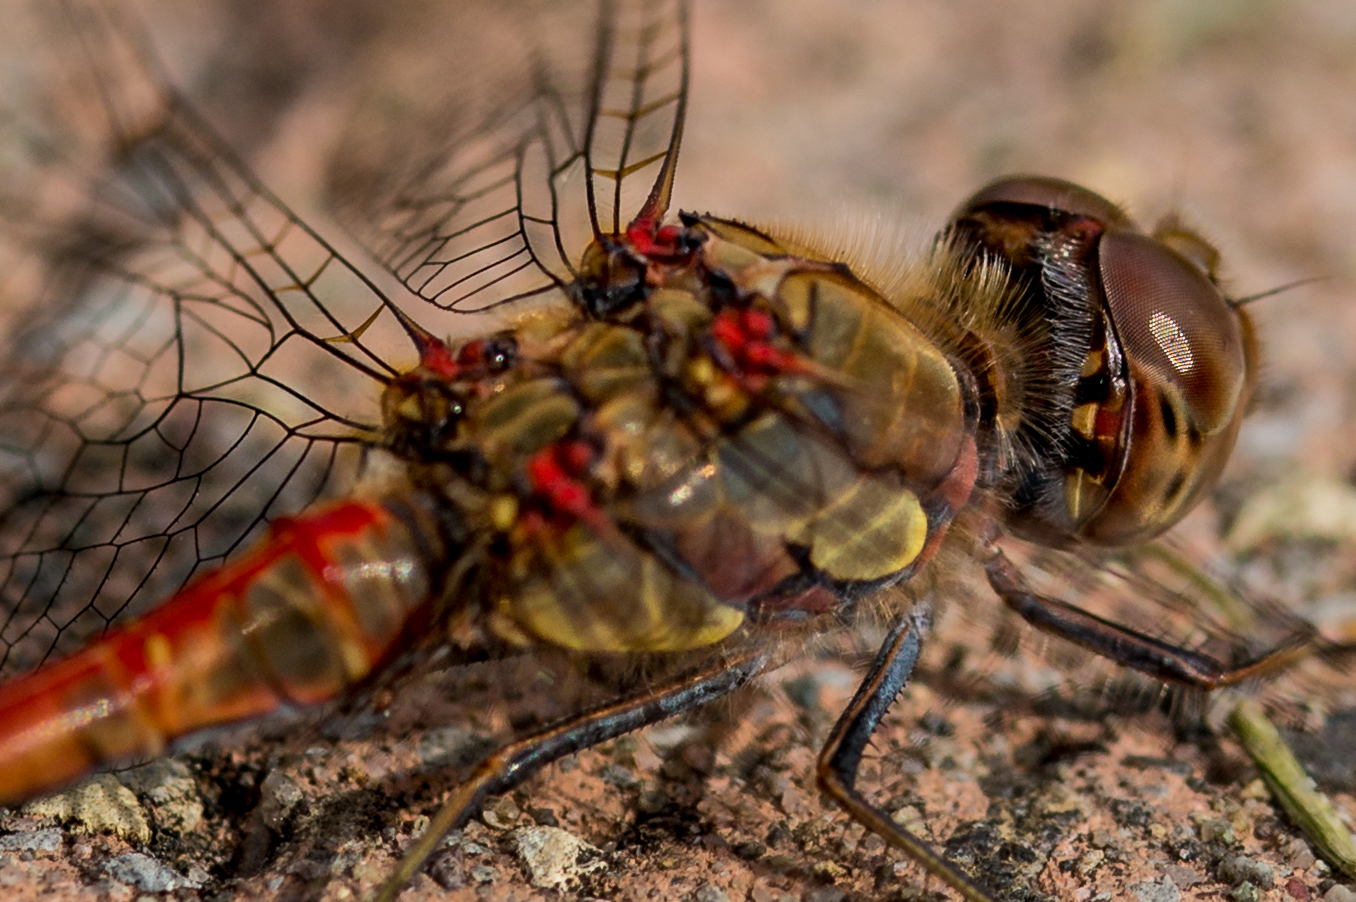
x: 299, y: 619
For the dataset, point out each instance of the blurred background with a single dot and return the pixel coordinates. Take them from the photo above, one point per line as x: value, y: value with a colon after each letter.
x: 1240, y: 115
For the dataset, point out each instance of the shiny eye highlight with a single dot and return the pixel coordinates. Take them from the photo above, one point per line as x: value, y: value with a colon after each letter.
x: 1173, y: 319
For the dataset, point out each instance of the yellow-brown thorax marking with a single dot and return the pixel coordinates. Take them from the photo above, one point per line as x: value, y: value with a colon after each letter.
x: 761, y: 435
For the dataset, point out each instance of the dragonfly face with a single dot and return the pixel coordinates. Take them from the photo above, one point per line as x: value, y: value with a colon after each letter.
x: 1165, y: 363
x: 715, y: 434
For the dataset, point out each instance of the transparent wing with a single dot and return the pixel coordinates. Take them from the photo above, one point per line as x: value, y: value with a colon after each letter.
x: 1161, y: 590
x: 572, y: 146
x: 191, y: 360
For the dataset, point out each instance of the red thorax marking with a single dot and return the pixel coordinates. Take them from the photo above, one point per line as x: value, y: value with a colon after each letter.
x: 744, y: 339
x: 554, y: 474
x: 653, y: 241
x: 470, y: 361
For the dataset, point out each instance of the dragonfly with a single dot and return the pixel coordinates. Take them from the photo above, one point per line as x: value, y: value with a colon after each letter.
x: 692, y: 434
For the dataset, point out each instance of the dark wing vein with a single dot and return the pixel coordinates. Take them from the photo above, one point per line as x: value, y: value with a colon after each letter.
x: 637, y: 109
x: 499, y: 207
x: 193, y: 361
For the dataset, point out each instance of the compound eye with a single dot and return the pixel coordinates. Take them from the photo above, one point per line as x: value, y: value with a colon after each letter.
x: 1050, y: 193
x: 1176, y: 325
x: 1189, y: 354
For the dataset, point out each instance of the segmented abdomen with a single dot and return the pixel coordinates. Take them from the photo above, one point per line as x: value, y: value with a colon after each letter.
x: 301, y: 618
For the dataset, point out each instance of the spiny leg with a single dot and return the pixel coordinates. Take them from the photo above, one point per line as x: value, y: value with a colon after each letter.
x: 518, y: 760
x: 841, y: 757
x: 1130, y: 648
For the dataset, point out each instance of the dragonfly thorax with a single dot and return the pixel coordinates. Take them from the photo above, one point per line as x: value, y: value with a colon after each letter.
x: 752, y: 435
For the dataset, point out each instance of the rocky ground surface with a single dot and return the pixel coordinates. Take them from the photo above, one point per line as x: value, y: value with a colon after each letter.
x: 1238, y: 114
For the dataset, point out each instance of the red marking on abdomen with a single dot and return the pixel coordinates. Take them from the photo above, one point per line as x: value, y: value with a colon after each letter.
x: 210, y: 654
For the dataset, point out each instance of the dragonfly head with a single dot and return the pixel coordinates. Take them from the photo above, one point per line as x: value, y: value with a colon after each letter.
x: 1145, y: 368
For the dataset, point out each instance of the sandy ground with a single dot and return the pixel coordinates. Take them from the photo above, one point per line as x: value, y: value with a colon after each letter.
x: 1240, y: 114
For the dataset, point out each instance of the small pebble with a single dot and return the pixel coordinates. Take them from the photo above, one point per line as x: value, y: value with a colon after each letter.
x: 483, y: 873
x: 544, y: 817
x: 1163, y: 890
x: 48, y: 840
x: 1301, y: 857
x: 169, y: 787
x: 554, y: 858
x: 448, y: 870
x: 1215, y: 829
x: 1183, y: 877
x: 279, y: 794
x: 147, y: 874
x: 501, y: 813
x: 750, y: 849
x: 710, y: 893
x: 1238, y: 869
x: 99, y: 805
x: 828, y: 870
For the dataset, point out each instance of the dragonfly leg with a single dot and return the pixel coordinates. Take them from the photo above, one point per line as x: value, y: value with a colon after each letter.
x: 842, y: 753
x: 1130, y: 648
x: 520, y: 759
